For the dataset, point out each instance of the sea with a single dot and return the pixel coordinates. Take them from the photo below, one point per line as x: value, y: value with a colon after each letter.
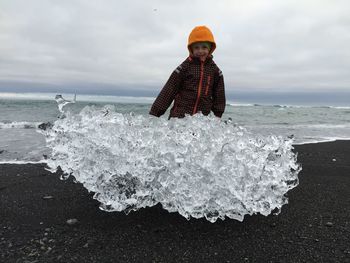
x: 22, y: 113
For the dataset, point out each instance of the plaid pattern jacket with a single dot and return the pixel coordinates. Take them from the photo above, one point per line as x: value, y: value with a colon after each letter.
x: 194, y: 86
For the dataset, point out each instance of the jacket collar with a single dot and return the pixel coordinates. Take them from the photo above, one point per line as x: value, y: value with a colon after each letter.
x: 196, y: 60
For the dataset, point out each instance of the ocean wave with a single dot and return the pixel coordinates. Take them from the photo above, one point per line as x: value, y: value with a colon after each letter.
x: 294, y: 106
x: 198, y: 166
x: 240, y: 104
x: 283, y: 106
x: 23, y: 162
x: 291, y: 125
x: 19, y: 125
x: 322, y: 126
x: 340, y: 107
x: 320, y: 140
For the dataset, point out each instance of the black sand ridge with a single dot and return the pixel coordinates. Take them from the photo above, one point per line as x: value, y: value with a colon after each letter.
x: 313, y: 227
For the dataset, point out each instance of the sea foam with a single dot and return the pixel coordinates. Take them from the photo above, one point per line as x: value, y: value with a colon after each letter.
x: 198, y: 166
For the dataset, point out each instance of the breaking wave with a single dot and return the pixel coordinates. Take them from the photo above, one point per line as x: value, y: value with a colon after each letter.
x: 19, y: 125
x: 199, y: 166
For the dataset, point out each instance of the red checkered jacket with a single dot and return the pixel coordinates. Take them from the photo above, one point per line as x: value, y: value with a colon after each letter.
x: 194, y: 86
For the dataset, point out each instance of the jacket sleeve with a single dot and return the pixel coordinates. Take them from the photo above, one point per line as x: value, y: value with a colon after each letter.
x: 168, y: 93
x: 219, y: 99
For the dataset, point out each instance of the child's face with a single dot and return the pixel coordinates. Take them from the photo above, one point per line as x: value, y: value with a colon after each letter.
x: 200, y: 51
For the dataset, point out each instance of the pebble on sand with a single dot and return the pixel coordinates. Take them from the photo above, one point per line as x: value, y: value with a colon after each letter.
x: 47, y: 197
x: 72, y: 221
x: 329, y: 224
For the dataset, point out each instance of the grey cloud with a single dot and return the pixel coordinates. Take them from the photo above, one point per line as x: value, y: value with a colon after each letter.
x: 262, y: 45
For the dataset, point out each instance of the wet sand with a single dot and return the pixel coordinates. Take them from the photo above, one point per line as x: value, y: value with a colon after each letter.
x: 313, y: 227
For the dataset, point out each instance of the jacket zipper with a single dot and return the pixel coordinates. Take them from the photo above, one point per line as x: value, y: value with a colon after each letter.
x: 199, y: 89
x: 207, y: 88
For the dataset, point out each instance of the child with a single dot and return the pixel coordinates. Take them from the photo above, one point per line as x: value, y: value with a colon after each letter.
x: 197, y: 85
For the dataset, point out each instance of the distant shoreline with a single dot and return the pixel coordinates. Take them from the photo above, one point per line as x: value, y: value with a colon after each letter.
x: 147, y: 99
x: 80, y: 97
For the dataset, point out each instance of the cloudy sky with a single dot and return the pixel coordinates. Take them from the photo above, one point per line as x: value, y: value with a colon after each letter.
x: 266, y: 49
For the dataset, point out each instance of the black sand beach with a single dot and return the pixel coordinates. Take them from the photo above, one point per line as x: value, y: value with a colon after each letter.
x: 313, y: 227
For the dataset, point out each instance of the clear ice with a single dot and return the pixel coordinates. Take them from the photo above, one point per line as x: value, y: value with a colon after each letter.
x: 61, y: 102
x: 198, y: 166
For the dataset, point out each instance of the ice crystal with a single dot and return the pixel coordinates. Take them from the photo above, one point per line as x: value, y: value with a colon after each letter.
x: 61, y: 102
x: 198, y: 166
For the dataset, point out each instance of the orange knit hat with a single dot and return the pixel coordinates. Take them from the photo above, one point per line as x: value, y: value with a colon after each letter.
x: 201, y: 34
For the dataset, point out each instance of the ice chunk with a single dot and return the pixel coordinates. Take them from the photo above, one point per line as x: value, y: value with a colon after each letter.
x: 198, y: 166
x: 61, y: 102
